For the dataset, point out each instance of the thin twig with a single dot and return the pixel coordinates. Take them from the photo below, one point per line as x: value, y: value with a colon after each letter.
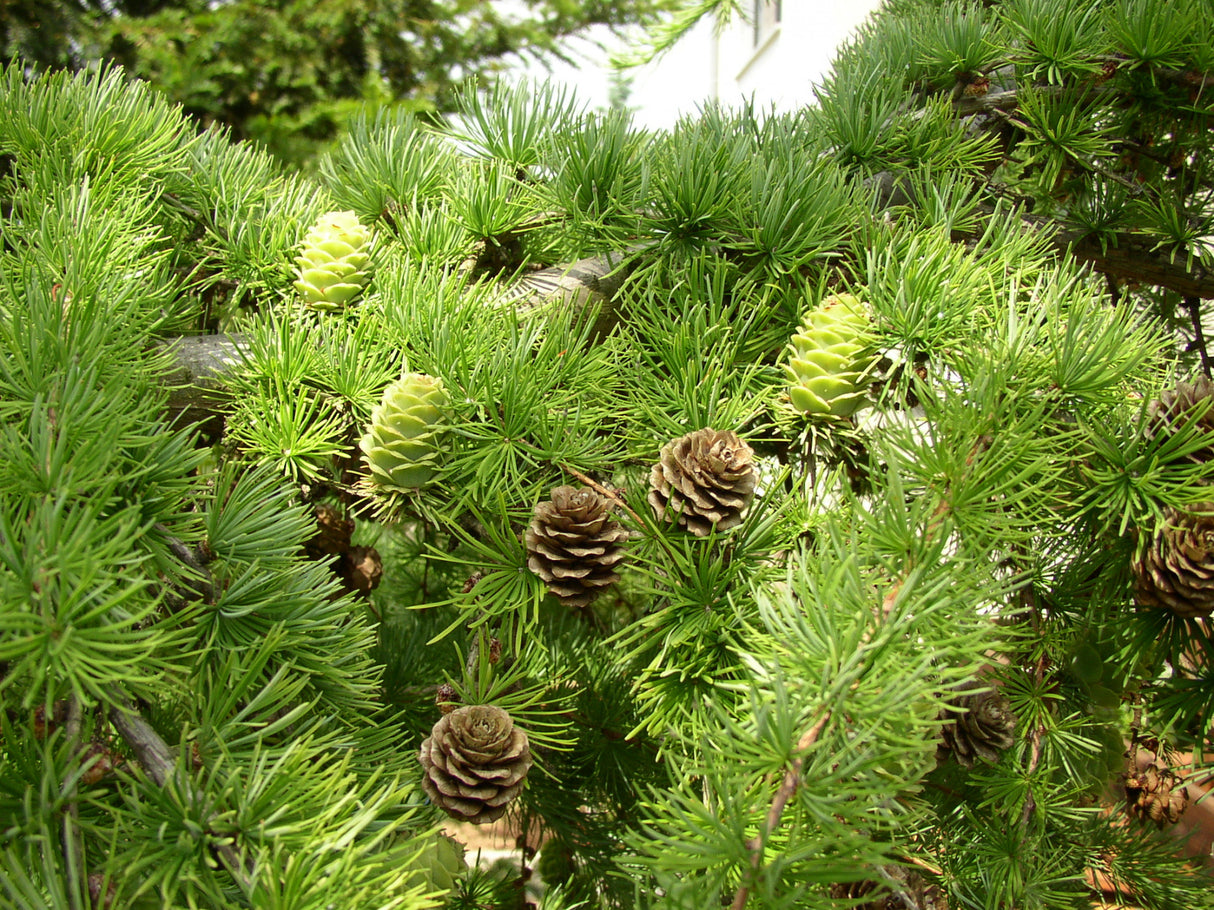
x: 198, y: 580
x: 1029, y: 597
x: 897, y: 889
x: 603, y: 491
x: 73, y: 840
x: 156, y: 759
x: 619, y: 501
x: 1199, y: 335
x: 788, y: 787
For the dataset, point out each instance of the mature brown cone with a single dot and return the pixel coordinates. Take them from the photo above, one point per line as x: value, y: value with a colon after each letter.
x: 360, y: 570
x: 703, y: 480
x: 475, y: 761
x: 901, y: 888
x: 333, y: 532
x: 574, y: 545
x: 1176, y: 570
x: 1175, y: 407
x: 1155, y: 794
x: 984, y: 727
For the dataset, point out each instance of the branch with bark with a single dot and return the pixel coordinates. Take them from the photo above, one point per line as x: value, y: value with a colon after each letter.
x: 157, y: 761
x: 788, y: 789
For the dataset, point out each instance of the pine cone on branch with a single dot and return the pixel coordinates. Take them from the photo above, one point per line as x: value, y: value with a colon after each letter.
x: 574, y: 545
x: 979, y: 725
x: 829, y: 358
x: 704, y: 481
x: 402, y: 442
x: 476, y: 761
x: 1155, y: 794
x: 1175, y: 408
x: 333, y: 265
x: 1176, y: 570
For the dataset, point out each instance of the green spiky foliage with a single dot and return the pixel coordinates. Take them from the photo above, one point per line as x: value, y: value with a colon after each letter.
x: 1090, y: 116
x: 156, y: 611
x: 289, y: 73
x: 750, y: 716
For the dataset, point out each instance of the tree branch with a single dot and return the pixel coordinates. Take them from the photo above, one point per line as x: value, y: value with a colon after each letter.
x: 1125, y: 256
x: 157, y: 761
x: 1199, y: 336
x: 788, y: 787
x: 195, y: 385
x: 1128, y: 258
x: 73, y: 840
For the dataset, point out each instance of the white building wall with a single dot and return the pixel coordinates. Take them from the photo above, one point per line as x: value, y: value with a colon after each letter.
x: 779, y: 72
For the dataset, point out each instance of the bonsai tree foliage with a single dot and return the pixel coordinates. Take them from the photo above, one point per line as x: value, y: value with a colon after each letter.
x: 773, y: 512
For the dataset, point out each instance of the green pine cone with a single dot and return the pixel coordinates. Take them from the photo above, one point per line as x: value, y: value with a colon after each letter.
x: 401, y: 444
x: 333, y: 266
x: 829, y: 356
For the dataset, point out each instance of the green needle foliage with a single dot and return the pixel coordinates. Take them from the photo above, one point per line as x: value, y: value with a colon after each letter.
x: 290, y: 73
x: 222, y: 644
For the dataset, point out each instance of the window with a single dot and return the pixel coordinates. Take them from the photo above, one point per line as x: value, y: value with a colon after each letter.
x: 766, y: 19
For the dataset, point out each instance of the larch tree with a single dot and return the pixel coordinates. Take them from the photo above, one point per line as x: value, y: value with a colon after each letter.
x: 784, y: 510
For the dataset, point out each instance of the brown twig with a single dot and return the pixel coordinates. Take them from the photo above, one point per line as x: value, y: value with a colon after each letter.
x: 788, y: 787
x: 73, y: 840
x: 603, y: 491
x: 619, y: 501
x: 1199, y: 336
x: 156, y: 759
x: 197, y: 579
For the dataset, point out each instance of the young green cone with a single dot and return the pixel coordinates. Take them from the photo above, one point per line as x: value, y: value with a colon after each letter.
x: 333, y: 266
x: 401, y: 443
x: 828, y: 357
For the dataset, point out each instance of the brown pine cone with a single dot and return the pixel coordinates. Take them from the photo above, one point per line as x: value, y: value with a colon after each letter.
x: 1176, y: 570
x: 446, y: 698
x: 475, y: 761
x: 900, y: 888
x: 332, y: 535
x: 704, y: 481
x: 360, y: 570
x: 984, y: 727
x: 574, y: 545
x: 1176, y: 407
x: 1155, y: 794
